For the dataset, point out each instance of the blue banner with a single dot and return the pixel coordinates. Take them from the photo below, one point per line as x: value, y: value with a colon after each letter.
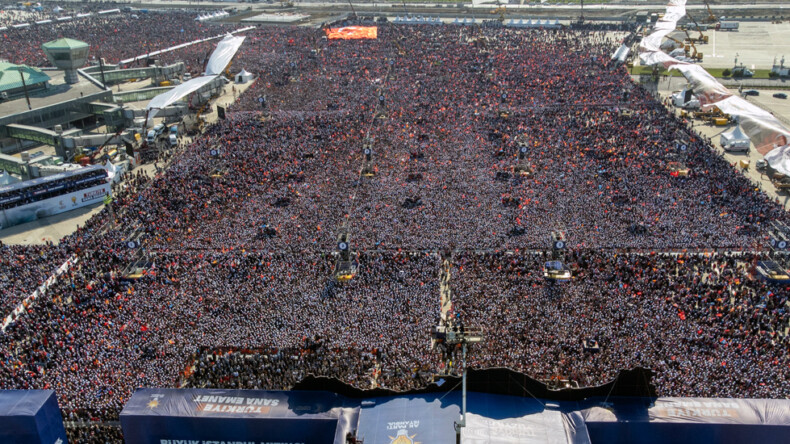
x: 30, y: 416
x: 206, y: 416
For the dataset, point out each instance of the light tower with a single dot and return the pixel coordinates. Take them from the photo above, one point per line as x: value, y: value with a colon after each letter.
x: 68, y: 55
x: 451, y: 337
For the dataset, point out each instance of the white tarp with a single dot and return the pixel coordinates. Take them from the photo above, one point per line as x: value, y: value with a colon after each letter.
x: 735, y: 139
x: 7, y: 179
x: 112, y: 172
x: 650, y: 47
x: 221, y: 56
x: 621, y: 53
x: 219, y: 59
x: 770, y: 137
x: 174, y: 95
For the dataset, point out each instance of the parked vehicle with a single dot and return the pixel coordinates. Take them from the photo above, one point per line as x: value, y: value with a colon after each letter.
x: 751, y: 92
x: 761, y: 165
x: 780, y: 95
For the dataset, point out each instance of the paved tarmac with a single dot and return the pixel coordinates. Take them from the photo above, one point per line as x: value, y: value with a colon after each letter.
x: 755, y: 44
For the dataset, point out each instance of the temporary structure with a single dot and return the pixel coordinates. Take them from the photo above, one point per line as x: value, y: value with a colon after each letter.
x: 243, y: 76
x: 735, y: 140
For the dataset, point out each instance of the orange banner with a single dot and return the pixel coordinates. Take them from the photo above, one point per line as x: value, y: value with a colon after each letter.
x: 352, y: 33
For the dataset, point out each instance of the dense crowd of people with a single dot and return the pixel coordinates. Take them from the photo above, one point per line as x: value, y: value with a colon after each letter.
x: 23, y: 268
x: 239, y: 288
x: 114, y: 37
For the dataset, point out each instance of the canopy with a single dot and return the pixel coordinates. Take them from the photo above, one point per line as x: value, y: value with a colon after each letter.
x: 221, y: 56
x: 621, y: 53
x: 170, y: 97
x: 219, y: 59
x: 7, y: 179
x: 243, y: 76
x: 735, y: 138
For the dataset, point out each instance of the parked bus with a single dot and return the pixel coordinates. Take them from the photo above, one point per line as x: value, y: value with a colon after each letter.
x: 33, y: 199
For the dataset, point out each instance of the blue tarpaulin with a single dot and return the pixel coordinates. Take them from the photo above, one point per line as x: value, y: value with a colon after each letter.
x: 30, y: 416
x: 688, y: 420
x: 170, y: 416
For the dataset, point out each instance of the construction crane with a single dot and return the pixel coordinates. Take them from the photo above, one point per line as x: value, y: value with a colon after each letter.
x: 702, y: 37
x: 691, y: 40
x: 695, y: 55
x: 711, y: 16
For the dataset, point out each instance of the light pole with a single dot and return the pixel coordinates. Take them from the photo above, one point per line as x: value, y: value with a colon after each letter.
x: 447, y: 337
x: 24, y: 87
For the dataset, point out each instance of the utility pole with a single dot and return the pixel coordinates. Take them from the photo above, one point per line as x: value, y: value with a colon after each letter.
x: 352, y: 9
x: 101, y: 68
x: 24, y: 87
x: 462, y: 423
x: 448, y: 335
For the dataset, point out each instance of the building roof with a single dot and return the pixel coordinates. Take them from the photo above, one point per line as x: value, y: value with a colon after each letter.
x: 65, y: 43
x: 9, y: 76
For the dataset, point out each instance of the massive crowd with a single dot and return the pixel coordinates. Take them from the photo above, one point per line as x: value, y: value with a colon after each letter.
x: 114, y: 37
x: 239, y: 288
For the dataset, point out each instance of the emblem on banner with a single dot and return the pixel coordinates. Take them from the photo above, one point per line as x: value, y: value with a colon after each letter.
x: 403, y: 438
x: 154, y: 402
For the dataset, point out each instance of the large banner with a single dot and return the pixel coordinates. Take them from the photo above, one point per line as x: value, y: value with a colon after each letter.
x: 54, y: 205
x: 30, y: 416
x: 170, y: 416
x: 689, y: 420
x: 490, y: 419
x: 424, y: 419
x: 352, y: 33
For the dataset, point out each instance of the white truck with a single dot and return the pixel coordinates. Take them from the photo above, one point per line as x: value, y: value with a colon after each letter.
x: 728, y: 26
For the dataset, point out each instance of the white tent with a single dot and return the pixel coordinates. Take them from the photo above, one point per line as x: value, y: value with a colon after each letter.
x: 7, y: 179
x: 57, y: 9
x: 735, y: 140
x: 243, y: 76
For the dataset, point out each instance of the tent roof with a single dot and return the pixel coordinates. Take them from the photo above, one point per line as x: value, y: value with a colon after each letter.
x: 7, y: 179
x: 9, y: 76
x: 65, y: 43
x: 736, y: 134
